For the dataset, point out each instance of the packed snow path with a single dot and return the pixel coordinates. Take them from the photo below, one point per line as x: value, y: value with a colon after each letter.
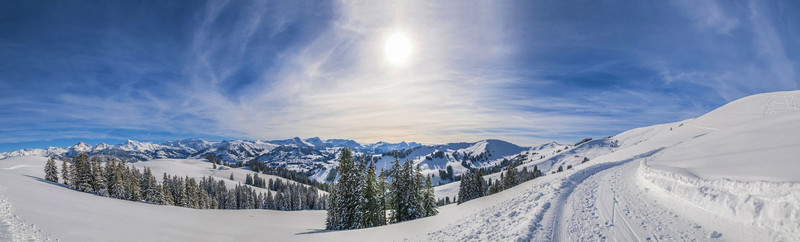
x: 590, y: 213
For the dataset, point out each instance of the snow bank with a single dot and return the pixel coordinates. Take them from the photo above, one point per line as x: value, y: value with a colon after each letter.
x: 773, y: 205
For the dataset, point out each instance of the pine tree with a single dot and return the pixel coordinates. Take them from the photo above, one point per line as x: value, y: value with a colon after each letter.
x: 480, y: 184
x: 269, y: 201
x: 464, y: 188
x: 134, y: 181
x: 429, y: 199
x: 115, y: 179
x: 192, y: 196
x: 348, y: 210
x: 99, y: 178
x: 151, y: 191
x: 50, y: 170
x: 372, y: 206
x: 472, y: 186
x: 65, y: 172
x: 417, y: 187
x: 83, y: 173
x: 166, y: 195
x: 510, y: 178
x: 382, y: 198
x: 405, y: 191
x: 332, y: 219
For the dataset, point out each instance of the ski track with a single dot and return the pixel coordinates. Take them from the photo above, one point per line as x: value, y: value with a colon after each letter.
x: 534, y: 214
x: 638, y: 216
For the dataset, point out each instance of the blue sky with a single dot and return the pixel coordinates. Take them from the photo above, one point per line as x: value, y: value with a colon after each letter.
x: 522, y: 71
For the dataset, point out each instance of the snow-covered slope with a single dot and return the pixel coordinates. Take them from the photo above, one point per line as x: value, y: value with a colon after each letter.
x: 200, y: 168
x: 41, y: 210
x: 756, y: 138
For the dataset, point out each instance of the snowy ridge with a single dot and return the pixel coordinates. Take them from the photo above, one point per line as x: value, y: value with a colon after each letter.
x: 573, y: 156
x: 768, y: 204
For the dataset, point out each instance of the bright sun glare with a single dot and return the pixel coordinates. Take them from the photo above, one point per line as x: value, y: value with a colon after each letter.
x: 397, y: 48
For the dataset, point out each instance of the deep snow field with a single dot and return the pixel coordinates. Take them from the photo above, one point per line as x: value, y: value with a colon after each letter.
x: 730, y: 175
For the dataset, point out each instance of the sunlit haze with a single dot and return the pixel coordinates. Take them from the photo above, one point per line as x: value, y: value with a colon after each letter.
x: 398, y: 48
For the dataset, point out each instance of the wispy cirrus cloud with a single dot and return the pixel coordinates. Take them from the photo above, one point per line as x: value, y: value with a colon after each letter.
x: 524, y: 71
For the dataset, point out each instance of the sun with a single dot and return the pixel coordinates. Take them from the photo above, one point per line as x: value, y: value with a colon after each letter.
x: 397, y: 48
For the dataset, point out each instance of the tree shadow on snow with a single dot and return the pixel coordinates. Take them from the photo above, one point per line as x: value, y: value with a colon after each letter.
x: 46, y: 181
x: 315, y: 231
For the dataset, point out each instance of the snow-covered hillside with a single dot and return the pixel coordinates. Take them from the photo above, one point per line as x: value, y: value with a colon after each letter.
x: 200, y: 168
x: 728, y: 175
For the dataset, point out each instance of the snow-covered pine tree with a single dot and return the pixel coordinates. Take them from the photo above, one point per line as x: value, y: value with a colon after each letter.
x: 429, y: 199
x: 464, y: 188
x: 65, y: 172
x: 166, y: 197
x: 472, y: 186
x: 269, y: 202
x: 418, y: 186
x: 406, y: 183
x: 144, y: 185
x: 116, y: 179
x: 372, y: 206
x: 151, y: 191
x: 510, y: 178
x: 332, y: 218
x: 480, y: 184
x: 395, y: 186
x: 203, y: 202
x: 382, y: 197
x: 50, y: 170
x: 134, y: 178
x: 192, y: 198
x: 83, y: 173
x: 348, y: 191
x: 99, y: 177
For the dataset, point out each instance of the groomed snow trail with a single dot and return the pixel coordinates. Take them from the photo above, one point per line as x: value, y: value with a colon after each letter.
x: 637, y: 216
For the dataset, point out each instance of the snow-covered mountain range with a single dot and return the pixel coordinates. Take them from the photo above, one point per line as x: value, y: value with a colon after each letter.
x: 315, y: 156
x: 312, y: 155
x: 230, y: 151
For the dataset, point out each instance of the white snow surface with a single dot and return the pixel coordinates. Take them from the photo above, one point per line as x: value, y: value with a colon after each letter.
x: 729, y: 175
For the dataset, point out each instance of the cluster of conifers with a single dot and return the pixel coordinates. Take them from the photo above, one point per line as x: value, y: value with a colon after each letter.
x: 474, y: 186
x: 362, y: 199
x: 116, y: 180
